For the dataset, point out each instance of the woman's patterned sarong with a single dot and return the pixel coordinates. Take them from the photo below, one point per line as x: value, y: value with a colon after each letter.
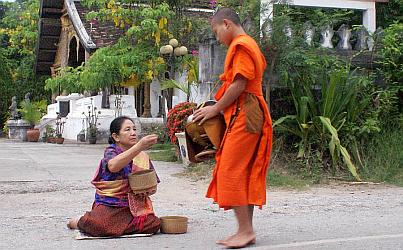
x: 114, y: 221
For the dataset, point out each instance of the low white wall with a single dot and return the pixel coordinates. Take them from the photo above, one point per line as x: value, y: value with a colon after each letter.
x: 75, y: 120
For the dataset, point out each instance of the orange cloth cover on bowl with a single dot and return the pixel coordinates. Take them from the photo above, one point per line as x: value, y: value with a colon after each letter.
x: 239, y: 177
x: 141, y: 162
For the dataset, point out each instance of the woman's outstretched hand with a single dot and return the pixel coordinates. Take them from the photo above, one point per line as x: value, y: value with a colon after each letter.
x: 120, y: 161
x: 147, y: 141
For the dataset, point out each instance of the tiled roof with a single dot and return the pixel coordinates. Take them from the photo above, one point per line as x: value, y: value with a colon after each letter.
x: 200, y: 4
x: 102, y: 33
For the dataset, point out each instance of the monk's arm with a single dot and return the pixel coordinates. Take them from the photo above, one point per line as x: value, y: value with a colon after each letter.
x: 121, y: 160
x: 231, y: 94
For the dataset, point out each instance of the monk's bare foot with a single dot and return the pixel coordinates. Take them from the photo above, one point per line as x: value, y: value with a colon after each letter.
x: 222, y: 242
x: 73, y: 223
x: 241, y: 240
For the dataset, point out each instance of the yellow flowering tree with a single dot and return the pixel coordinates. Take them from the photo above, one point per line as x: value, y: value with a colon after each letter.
x: 135, y: 59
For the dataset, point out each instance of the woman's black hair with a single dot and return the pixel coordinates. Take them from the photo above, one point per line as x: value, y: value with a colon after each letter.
x: 116, y: 125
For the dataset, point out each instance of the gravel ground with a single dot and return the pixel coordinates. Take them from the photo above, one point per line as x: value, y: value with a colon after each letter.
x: 43, y: 185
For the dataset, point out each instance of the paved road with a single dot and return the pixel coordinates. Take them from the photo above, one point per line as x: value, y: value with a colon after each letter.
x: 42, y: 185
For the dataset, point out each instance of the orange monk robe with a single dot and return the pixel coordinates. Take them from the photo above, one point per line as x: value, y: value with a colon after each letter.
x: 239, y: 177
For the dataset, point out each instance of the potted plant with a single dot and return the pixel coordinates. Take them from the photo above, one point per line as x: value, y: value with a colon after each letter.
x: 48, y: 135
x: 81, y: 136
x: 32, y: 113
x: 59, y: 129
x: 92, y: 134
x: 91, y: 118
x: 59, y: 139
x: 176, y: 122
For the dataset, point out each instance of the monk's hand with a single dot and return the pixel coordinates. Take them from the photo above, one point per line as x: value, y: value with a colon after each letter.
x: 203, y: 114
x: 147, y: 141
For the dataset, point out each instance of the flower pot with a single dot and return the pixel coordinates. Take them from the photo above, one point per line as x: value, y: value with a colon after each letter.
x: 92, y: 140
x: 59, y: 140
x: 182, y: 150
x: 81, y: 136
x: 33, y: 135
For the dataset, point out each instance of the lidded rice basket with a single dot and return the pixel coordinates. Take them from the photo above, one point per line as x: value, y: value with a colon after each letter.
x: 142, y: 180
x: 204, y: 140
x: 174, y: 224
x: 210, y: 132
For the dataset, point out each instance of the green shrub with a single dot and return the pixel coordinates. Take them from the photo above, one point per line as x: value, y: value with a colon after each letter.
x: 325, y: 96
x: 391, y: 68
x: 33, y: 111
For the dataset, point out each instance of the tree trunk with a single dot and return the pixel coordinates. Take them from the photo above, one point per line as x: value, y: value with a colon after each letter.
x: 147, y: 103
x: 105, y: 98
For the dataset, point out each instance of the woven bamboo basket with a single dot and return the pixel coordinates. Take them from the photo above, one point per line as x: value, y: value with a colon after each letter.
x: 174, y: 224
x: 211, y: 131
x: 143, y: 180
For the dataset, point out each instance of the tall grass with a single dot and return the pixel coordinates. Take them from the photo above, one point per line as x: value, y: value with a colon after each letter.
x: 286, y: 171
x: 383, y: 157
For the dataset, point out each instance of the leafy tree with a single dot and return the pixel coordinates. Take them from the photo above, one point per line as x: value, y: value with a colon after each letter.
x: 392, y: 53
x: 136, y: 56
x: 135, y: 60
x: 3, y: 9
x: 68, y: 81
x: 18, y: 36
x: 6, y: 89
x: 388, y: 13
x: 391, y: 67
x: 20, y: 24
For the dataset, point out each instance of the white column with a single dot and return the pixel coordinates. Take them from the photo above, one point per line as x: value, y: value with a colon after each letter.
x: 369, y: 18
x: 266, y: 11
x: 131, y: 91
x: 155, y: 92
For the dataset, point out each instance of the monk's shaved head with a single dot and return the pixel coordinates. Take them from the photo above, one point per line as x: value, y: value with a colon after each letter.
x: 226, y: 13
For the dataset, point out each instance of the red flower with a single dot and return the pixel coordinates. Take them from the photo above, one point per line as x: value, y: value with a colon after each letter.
x: 177, y: 118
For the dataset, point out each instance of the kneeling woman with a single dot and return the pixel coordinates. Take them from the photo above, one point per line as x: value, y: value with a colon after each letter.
x: 116, y: 210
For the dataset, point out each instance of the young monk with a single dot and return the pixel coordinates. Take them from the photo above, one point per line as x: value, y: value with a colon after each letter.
x: 239, y: 177
x: 117, y: 211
